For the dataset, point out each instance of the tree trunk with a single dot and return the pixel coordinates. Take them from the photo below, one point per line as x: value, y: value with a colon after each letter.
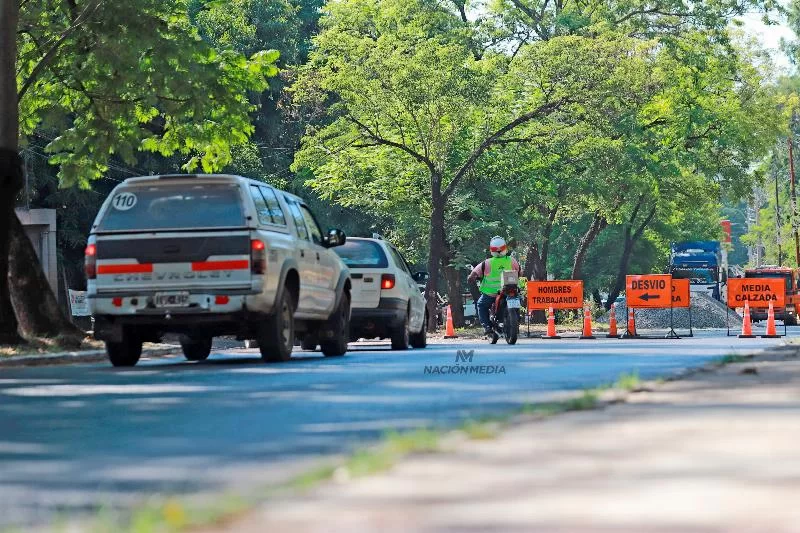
x: 35, y: 304
x: 454, y: 294
x: 619, y: 283
x: 599, y: 223
x: 11, y: 177
x: 435, y: 252
x: 630, y: 239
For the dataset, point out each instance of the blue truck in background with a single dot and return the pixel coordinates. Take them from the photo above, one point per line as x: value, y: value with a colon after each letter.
x: 704, y: 263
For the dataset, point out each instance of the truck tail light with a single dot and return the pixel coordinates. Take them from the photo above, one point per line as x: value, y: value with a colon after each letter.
x: 387, y: 282
x: 258, y: 257
x: 90, y: 261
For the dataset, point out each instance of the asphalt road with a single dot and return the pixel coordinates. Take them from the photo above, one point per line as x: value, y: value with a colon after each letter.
x: 73, y: 438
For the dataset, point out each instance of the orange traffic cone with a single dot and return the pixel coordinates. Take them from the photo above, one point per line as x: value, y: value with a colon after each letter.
x: 631, y: 332
x: 587, y: 324
x: 612, y: 323
x: 551, y: 325
x: 450, y: 331
x: 747, y: 324
x: 771, y: 333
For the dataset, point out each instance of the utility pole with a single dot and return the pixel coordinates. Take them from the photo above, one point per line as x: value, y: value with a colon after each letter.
x: 794, y: 203
x: 778, y: 214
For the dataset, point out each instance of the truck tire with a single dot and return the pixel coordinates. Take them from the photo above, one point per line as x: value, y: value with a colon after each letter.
x: 401, y: 336
x: 420, y: 340
x: 339, y: 326
x: 125, y: 353
x: 195, y: 348
x: 275, y: 335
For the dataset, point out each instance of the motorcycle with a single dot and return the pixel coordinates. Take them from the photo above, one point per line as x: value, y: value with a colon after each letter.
x: 504, y: 314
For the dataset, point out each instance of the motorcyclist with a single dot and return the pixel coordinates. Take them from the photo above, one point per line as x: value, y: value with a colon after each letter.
x: 488, y: 272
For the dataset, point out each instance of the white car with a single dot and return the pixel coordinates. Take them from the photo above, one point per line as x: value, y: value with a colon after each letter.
x: 387, y: 302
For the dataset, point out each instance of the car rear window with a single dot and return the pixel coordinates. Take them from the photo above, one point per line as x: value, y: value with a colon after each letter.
x: 174, y: 207
x: 362, y: 254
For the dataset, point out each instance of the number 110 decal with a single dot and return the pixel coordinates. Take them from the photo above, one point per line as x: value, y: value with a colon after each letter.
x: 124, y: 201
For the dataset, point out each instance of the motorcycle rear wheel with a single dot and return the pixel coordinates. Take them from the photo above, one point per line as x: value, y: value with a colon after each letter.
x: 511, y: 326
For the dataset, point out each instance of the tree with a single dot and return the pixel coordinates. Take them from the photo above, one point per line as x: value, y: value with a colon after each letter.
x: 404, y: 84
x: 110, y: 90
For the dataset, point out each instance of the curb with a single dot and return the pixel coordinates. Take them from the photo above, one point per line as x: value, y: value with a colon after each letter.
x: 68, y: 358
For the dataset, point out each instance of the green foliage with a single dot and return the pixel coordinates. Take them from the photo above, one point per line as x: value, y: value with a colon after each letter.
x: 111, y: 88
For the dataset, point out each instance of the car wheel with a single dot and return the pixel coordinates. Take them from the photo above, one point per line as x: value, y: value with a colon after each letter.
x: 276, y: 333
x: 420, y: 340
x: 125, y: 353
x: 339, y: 327
x: 400, y: 335
x: 196, y: 349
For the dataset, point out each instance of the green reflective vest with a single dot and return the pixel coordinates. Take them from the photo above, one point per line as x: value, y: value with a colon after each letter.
x: 490, y: 284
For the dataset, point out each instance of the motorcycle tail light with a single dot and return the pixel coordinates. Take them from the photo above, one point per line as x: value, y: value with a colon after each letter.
x: 512, y: 292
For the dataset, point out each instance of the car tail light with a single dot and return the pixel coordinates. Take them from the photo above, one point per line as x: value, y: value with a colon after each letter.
x: 258, y: 257
x: 90, y: 261
x: 222, y: 300
x: 387, y: 282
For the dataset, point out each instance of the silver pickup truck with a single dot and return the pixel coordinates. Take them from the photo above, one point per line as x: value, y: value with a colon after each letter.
x: 209, y: 255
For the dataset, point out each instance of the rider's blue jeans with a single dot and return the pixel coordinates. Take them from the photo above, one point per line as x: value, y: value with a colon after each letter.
x: 485, y: 302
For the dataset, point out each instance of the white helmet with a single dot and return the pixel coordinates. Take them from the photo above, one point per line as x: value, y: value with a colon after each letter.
x: 498, y: 247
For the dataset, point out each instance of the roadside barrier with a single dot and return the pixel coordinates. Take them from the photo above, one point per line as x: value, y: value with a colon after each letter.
x: 654, y: 291
x: 770, y: 333
x: 551, y: 325
x: 587, y: 324
x: 612, y: 323
x: 631, y: 330
x: 450, y: 331
x: 756, y: 293
x: 551, y: 295
x: 747, y: 325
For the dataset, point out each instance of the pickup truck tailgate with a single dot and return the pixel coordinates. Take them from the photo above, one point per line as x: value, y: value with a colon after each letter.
x: 177, y: 260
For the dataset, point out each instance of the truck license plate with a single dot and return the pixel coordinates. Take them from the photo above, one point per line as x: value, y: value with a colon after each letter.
x: 172, y: 299
x: 512, y: 303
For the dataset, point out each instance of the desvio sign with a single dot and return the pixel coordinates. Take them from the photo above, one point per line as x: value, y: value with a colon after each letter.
x: 565, y: 294
x: 649, y: 291
x: 758, y: 291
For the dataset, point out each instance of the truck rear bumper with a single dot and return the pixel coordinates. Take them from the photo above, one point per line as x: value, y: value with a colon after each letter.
x: 151, y: 326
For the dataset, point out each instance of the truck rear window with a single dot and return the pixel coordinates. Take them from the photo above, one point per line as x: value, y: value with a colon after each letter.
x: 362, y: 254
x: 174, y: 207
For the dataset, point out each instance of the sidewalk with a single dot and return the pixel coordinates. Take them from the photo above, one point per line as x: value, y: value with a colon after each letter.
x: 716, y: 451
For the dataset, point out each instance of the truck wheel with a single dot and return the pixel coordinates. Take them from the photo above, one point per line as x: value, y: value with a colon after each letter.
x: 276, y: 333
x: 339, y: 326
x: 420, y: 340
x: 401, y: 336
x: 125, y: 353
x: 196, y: 349
x: 791, y: 321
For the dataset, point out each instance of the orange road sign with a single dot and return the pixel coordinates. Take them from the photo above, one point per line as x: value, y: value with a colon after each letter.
x: 648, y: 291
x: 562, y: 294
x: 758, y: 291
x: 680, y: 293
